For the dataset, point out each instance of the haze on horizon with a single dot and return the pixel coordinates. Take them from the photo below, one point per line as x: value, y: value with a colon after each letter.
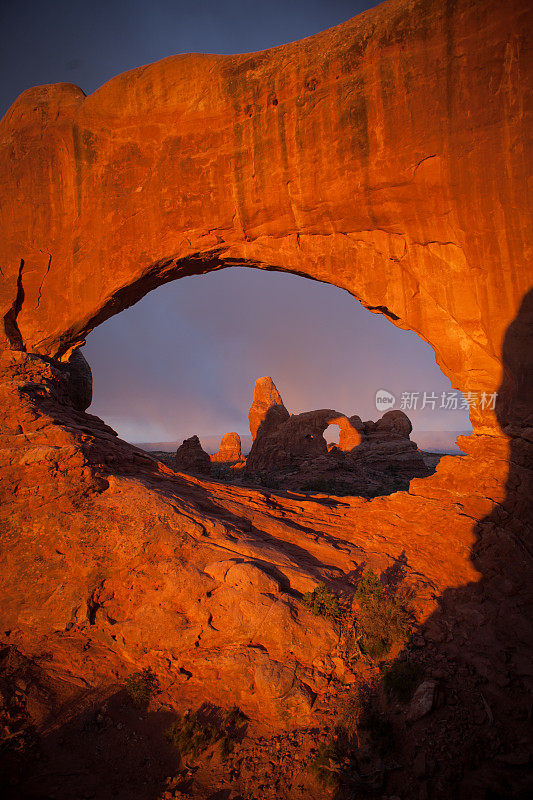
x: 184, y: 359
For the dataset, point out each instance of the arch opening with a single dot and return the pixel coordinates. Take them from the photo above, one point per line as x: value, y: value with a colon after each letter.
x: 184, y: 360
x: 332, y: 435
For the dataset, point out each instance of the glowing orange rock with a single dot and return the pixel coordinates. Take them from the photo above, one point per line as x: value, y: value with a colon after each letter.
x: 229, y: 451
x: 267, y: 405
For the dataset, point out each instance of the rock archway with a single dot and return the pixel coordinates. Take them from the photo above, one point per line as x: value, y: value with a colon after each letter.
x: 386, y: 156
x: 379, y: 169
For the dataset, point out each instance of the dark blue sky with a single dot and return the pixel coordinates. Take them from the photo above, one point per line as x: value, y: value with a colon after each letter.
x: 184, y: 359
x: 89, y: 42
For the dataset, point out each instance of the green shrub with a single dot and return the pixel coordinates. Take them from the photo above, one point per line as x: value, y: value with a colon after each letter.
x: 381, y: 620
x: 141, y: 686
x: 369, y: 587
x: 322, y: 602
x: 401, y: 679
x: 382, y: 624
x: 191, y: 735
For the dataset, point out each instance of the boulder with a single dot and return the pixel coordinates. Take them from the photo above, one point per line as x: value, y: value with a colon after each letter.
x: 423, y: 700
x: 282, y: 691
x: 190, y: 457
x: 242, y: 575
x: 395, y: 422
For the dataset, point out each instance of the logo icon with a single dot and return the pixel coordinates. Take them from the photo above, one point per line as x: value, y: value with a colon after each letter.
x: 384, y: 400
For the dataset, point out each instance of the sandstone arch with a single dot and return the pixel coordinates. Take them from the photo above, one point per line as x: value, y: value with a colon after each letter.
x: 198, y: 162
x: 350, y: 431
x: 395, y: 169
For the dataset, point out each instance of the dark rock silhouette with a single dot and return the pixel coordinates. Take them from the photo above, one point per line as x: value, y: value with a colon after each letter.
x: 191, y: 457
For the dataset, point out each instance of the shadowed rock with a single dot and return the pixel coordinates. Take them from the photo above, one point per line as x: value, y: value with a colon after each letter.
x: 81, y: 380
x: 371, y: 458
x: 190, y: 457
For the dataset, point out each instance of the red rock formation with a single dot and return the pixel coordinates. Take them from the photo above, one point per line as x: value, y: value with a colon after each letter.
x: 412, y: 185
x: 371, y: 458
x: 230, y: 449
x: 387, y: 156
x: 267, y: 404
x: 394, y: 423
x: 190, y: 457
x: 351, y: 430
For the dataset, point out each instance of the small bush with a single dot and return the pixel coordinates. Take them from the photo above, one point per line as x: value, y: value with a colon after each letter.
x: 141, y: 686
x: 232, y: 718
x: 192, y: 736
x: 350, y: 712
x: 360, y: 711
x: 194, y: 733
x: 322, y: 602
x: 230, y: 723
x: 401, y: 679
x: 381, y: 620
x: 382, y: 624
x: 369, y: 587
